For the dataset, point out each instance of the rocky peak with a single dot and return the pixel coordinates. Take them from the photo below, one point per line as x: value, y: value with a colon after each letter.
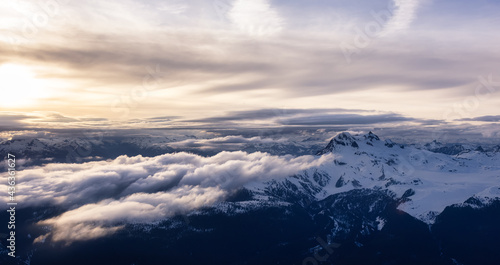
x: 342, y: 139
x: 371, y: 136
x: 496, y: 149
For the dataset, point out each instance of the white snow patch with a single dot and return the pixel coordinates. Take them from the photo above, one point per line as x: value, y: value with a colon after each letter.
x: 380, y: 223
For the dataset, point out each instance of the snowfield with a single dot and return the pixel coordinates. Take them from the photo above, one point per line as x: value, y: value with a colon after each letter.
x: 425, y: 182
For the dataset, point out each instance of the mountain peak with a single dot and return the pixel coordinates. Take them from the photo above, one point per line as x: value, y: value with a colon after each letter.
x: 371, y: 136
x: 342, y: 139
x: 345, y: 139
x: 344, y: 136
x: 496, y: 149
x: 433, y: 145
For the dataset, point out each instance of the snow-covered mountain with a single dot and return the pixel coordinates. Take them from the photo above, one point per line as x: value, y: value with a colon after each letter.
x: 42, y: 150
x: 424, y: 182
x: 378, y: 202
x: 457, y: 149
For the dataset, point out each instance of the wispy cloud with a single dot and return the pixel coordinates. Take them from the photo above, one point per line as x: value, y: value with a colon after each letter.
x: 311, y: 117
x: 255, y: 17
x: 95, y: 53
x: 232, y: 142
x: 347, y: 119
x: 13, y: 120
x: 489, y: 118
x: 45, y: 120
x: 405, y: 11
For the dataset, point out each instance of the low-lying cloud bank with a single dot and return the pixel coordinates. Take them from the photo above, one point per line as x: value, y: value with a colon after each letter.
x: 104, y: 196
x: 230, y: 141
x: 106, y: 217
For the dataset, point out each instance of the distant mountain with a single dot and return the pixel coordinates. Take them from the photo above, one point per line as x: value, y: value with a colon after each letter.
x: 37, y: 151
x: 458, y: 149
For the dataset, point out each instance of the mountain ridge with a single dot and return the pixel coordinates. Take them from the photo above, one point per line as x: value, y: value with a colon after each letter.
x: 426, y: 182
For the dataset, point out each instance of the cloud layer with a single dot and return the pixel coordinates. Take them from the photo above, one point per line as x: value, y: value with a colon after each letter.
x: 198, y: 58
x: 106, y: 195
x: 228, y: 142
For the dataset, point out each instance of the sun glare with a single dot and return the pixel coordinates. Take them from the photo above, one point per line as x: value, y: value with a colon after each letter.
x: 19, y: 86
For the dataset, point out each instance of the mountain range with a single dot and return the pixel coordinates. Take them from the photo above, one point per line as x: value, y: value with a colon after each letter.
x: 377, y: 202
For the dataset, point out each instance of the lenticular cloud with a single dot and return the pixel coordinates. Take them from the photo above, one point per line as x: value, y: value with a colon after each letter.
x: 100, y: 197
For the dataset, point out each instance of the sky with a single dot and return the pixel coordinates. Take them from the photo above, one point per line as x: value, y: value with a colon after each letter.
x: 133, y: 64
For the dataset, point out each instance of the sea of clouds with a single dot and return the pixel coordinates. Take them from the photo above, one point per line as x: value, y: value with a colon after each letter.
x: 100, y: 197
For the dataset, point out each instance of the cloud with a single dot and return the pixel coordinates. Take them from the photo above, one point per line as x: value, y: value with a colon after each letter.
x: 232, y: 130
x: 13, y: 120
x: 176, y: 7
x: 101, y: 51
x: 255, y: 17
x: 139, y: 189
x: 56, y: 117
x: 404, y: 13
x: 267, y: 114
x: 228, y: 142
x: 312, y: 117
x: 490, y: 118
x: 347, y: 119
x: 10, y: 121
x: 163, y: 118
x: 219, y: 67
x: 487, y: 134
x: 101, y: 219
